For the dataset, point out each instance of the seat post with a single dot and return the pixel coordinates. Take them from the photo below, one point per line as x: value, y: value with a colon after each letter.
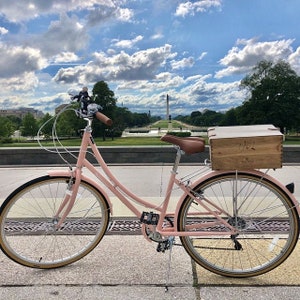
x: 177, y: 159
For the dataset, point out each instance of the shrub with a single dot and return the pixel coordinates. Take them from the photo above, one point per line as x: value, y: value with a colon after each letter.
x: 180, y: 133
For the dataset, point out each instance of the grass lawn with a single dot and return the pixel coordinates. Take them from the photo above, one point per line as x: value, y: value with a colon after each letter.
x: 127, y: 141
x: 292, y: 140
x: 165, y: 124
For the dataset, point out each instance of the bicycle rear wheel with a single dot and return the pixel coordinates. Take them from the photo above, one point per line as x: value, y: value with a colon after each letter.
x: 28, y: 228
x: 264, y: 215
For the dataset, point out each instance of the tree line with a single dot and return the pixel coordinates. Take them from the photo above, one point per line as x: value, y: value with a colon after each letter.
x: 68, y: 125
x: 273, y: 98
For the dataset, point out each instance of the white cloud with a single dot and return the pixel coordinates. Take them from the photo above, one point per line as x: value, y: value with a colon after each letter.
x: 65, y: 57
x: 106, y: 12
x: 19, y: 11
x: 3, y: 31
x: 127, y: 43
x: 124, y: 14
x: 57, y: 44
x: 202, y: 55
x: 81, y: 32
x: 141, y: 65
x: 64, y: 35
x: 190, y: 8
x: 158, y: 33
x: 202, y: 95
x: 242, y: 59
x: 294, y: 60
x: 184, y: 63
x: 186, y: 95
x: 160, y: 83
x: 27, y: 82
x: 157, y: 36
x: 17, y: 60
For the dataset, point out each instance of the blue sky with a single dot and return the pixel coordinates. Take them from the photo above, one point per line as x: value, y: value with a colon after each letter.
x: 195, y: 51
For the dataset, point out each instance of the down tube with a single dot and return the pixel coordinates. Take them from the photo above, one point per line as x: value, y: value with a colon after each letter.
x: 114, y: 184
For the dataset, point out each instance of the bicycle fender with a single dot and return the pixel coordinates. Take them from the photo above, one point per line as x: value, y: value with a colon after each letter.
x: 252, y: 172
x: 69, y: 173
x: 276, y: 182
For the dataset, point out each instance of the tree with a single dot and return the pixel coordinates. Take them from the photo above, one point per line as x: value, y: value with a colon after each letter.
x: 123, y: 120
x: 17, y: 121
x: 6, y: 129
x: 105, y: 97
x: 140, y: 119
x: 29, y: 125
x: 229, y: 119
x: 68, y: 124
x: 274, y: 96
x: 211, y: 118
x: 196, y: 118
x: 47, y: 124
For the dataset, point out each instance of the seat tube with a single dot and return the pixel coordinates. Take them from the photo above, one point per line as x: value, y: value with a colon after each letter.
x: 170, y: 187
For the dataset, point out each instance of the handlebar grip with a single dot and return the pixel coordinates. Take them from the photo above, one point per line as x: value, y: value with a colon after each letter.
x: 103, y: 118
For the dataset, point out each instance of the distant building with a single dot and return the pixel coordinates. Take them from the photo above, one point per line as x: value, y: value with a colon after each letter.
x: 21, y: 112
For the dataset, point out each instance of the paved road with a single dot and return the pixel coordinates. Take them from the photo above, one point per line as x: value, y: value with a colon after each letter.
x: 127, y: 267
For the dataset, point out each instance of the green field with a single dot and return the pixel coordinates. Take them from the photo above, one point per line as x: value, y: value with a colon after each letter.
x: 292, y: 140
x: 127, y: 141
x: 165, y: 124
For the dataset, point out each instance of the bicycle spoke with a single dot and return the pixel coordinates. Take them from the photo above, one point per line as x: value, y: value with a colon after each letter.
x: 265, y: 220
x: 30, y: 236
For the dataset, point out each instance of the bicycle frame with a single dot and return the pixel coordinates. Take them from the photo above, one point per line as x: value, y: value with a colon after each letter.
x: 126, y: 196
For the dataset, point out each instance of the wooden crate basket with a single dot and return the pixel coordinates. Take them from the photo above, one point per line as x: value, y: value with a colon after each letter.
x: 245, y: 147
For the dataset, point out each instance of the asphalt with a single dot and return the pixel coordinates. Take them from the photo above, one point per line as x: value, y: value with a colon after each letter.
x: 129, y: 267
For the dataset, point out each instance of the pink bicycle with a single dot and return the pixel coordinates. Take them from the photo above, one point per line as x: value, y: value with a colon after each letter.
x: 233, y: 223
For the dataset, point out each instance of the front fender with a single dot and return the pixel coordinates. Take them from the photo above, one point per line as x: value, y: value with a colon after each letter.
x: 69, y: 173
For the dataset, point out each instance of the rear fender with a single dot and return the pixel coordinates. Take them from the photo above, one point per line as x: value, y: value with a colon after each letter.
x: 252, y: 172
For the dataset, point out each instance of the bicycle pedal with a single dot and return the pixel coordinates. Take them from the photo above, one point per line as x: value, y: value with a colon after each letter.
x: 165, y: 245
x: 149, y: 218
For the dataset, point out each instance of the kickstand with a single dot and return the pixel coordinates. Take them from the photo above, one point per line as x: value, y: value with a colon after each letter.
x: 171, y: 243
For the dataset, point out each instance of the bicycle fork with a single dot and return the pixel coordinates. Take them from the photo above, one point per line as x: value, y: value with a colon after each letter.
x: 68, y: 202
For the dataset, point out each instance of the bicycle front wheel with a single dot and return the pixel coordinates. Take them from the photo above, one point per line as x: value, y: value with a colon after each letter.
x: 29, y: 235
x: 263, y: 215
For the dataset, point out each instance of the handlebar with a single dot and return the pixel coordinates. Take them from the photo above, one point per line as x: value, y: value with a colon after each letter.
x: 88, y: 109
x: 103, y: 118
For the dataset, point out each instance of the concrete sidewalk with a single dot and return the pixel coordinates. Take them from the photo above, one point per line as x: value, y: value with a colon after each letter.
x: 128, y: 267
x: 121, y: 267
